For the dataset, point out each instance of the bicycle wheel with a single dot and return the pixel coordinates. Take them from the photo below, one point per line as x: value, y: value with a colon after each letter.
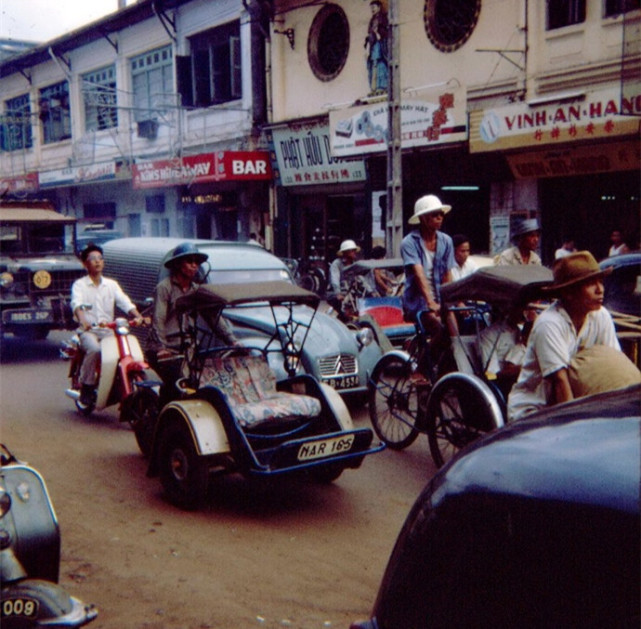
x: 461, y: 409
x: 394, y: 401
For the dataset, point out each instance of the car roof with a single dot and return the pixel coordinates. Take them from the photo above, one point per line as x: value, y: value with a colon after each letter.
x: 625, y: 259
x: 274, y: 292
x: 499, y: 284
x: 587, y: 451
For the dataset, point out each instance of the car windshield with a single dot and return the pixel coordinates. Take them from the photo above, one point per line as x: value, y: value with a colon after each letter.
x: 623, y: 290
x: 37, y: 238
x: 242, y: 276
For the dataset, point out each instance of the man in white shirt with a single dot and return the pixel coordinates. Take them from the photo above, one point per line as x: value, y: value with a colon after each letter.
x: 577, y: 320
x: 93, y: 300
x: 464, y: 265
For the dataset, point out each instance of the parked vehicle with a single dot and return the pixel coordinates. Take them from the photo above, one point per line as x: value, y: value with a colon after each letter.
x: 37, y: 268
x: 30, y: 554
x: 96, y: 234
x: 535, y: 525
x: 333, y: 354
x: 232, y: 413
x: 449, y: 398
x: 124, y: 377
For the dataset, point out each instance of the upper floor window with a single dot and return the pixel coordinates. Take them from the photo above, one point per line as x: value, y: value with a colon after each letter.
x: 328, y: 42
x: 99, y: 95
x: 15, y: 130
x: 450, y: 23
x: 565, y: 12
x: 615, y: 7
x: 54, y: 112
x: 153, y: 83
x: 215, y: 67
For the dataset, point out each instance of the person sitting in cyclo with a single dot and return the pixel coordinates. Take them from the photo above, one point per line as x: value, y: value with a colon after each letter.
x: 93, y: 300
x: 163, y: 345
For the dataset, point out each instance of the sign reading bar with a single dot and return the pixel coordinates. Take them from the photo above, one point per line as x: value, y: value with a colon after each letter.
x: 203, y: 168
x: 426, y: 122
x: 601, y: 114
x: 304, y: 157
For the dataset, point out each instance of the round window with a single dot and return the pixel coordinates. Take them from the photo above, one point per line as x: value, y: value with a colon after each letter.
x: 328, y: 42
x: 449, y: 23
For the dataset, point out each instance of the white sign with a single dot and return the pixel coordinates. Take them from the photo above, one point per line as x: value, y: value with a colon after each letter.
x: 304, y: 157
x: 77, y: 174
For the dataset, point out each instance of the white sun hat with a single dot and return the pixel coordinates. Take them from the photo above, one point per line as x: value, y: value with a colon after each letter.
x: 348, y: 245
x: 426, y: 204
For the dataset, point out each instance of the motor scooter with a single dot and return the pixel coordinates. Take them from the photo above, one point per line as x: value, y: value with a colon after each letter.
x: 30, y: 554
x: 124, y: 376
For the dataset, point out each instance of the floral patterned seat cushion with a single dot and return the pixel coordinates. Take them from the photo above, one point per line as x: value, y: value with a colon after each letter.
x: 250, y: 387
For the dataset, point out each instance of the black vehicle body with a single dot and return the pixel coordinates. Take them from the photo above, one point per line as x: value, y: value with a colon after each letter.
x: 623, y: 285
x: 233, y: 415
x: 535, y: 525
x: 30, y: 554
x: 37, y: 268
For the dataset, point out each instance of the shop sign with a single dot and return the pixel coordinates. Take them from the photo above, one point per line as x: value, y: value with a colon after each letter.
x: 602, y: 114
x: 579, y: 160
x: 426, y: 122
x: 203, y: 168
x: 77, y: 175
x: 23, y: 183
x: 304, y: 157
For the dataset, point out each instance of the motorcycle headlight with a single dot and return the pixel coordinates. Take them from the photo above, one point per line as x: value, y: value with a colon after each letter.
x: 365, y: 336
x: 122, y: 326
x: 5, y: 501
x: 6, y: 279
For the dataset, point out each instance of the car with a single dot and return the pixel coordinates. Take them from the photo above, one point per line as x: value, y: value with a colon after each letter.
x: 37, y: 268
x: 96, y: 234
x: 535, y: 525
x: 333, y: 353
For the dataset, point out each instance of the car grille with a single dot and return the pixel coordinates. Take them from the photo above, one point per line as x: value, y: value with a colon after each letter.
x: 337, y: 365
x: 61, y: 282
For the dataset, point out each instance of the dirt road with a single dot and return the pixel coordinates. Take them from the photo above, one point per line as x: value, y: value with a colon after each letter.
x: 259, y: 555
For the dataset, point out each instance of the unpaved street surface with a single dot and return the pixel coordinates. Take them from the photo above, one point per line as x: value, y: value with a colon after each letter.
x: 286, y: 554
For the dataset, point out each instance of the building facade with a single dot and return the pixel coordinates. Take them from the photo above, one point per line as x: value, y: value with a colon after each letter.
x: 147, y: 121
x: 508, y: 108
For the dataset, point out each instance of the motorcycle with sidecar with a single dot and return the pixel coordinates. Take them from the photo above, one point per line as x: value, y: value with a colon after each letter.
x: 30, y: 554
x: 232, y: 415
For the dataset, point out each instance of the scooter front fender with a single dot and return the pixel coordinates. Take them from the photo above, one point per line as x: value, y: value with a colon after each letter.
x: 38, y: 603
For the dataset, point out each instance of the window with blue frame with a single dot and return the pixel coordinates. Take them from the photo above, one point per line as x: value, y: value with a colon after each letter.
x: 152, y: 76
x: 15, y: 127
x: 54, y: 112
x: 99, y: 96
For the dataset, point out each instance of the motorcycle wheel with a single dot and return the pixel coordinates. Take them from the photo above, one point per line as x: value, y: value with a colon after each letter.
x: 184, y: 474
x: 141, y: 410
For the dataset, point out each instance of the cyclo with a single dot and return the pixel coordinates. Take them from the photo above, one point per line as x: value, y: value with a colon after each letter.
x: 451, y: 398
x: 231, y: 414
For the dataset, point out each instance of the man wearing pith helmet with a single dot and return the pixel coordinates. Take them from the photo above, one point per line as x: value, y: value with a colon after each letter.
x: 346, y: 257
x: 428, y: 258
x: 575, y: 321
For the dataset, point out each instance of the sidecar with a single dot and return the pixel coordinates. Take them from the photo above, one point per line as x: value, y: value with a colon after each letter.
x: 233, y: 416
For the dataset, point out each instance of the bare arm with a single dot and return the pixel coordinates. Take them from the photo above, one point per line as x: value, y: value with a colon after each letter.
x: 561, y: 389
x: 424, y: 287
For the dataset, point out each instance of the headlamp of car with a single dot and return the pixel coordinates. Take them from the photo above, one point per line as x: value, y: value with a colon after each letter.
x: 6, y: 279
x: 365, y: 336
x: 122, y: 326
x: 5, y: 501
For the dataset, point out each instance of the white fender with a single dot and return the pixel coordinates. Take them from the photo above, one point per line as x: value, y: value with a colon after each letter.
x: 109, y: 358
x: 203, y: 422
x: 338, y: 406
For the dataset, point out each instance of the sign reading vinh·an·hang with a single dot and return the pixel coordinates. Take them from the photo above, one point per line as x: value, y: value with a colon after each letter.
x: 203, y: 168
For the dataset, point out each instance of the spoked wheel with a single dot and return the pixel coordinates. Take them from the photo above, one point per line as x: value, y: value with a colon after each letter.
x: 141, y: 410
x: 183, y: 473
x: 394, y: 395
x: 461, y: 409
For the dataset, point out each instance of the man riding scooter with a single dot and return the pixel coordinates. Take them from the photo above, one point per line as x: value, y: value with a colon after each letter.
x: 93, y: 300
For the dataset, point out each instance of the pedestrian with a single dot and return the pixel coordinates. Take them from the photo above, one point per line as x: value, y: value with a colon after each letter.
x: 93, y: 301
x: 567, y: 247
x: 525, y: 238
x: 346, y: 256
x: 164, y: 343
x: 428, y: 258
x: 617, y: 244
x: 463, y: 266
x: 576, y: 320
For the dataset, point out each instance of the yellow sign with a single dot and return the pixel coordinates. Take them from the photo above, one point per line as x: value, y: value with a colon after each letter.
x: 42, y: 279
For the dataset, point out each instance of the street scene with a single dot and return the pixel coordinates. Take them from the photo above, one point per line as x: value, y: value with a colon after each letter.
x: 320, y: 314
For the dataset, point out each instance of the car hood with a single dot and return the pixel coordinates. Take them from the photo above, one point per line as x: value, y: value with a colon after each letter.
x: 47, y: 262
x: 587, y: 453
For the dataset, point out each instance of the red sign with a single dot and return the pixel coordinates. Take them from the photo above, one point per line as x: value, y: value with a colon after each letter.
x: 24, y: 183
x: 203, y: 168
